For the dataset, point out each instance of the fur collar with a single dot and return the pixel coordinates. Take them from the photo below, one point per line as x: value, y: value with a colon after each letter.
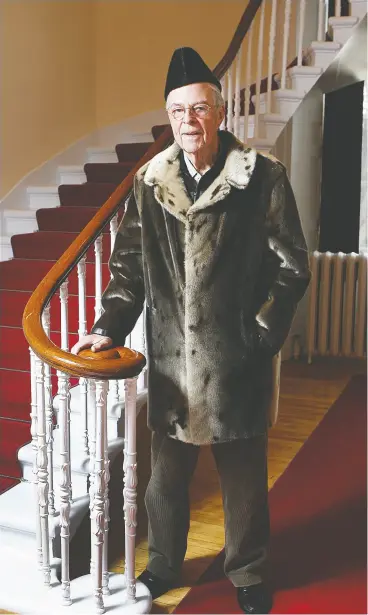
x: 163, y: 173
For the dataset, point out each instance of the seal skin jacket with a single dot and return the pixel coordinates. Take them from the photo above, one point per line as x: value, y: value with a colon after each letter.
x: 221, y: 278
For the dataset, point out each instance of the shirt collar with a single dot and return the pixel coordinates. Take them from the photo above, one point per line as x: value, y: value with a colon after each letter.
x: 191, y: 168
x: 193, y: 171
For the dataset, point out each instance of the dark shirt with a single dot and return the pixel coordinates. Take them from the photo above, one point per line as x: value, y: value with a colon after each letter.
x: 195, y: 189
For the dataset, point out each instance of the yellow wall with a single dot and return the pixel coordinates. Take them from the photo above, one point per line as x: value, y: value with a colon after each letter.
x: 135, y: 41
x: 70, y: 66
x: 47, y: 72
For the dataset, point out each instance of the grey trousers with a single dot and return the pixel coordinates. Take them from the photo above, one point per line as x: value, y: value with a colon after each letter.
x: 242, y: 468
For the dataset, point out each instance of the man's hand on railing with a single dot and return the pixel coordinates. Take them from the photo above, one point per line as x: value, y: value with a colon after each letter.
x: 93, y: 341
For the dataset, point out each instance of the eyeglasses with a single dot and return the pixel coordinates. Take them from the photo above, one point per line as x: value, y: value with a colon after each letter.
x: 200, y: 110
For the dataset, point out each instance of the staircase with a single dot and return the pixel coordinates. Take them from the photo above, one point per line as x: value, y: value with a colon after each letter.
x: 63, y: 214
x: 34, y: 253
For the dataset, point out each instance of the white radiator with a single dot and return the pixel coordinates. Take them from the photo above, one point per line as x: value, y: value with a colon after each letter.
x: 337, y: 323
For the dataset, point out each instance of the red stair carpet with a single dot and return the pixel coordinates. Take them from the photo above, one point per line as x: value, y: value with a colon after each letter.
x: 318, y: 523
x: 34, y: 255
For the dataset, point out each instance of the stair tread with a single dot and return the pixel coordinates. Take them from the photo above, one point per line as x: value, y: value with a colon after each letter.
x: 131, y: 152
x: 12, y: 515
x: 66, y: 219
x: 50, y: 245
x: 89, y: 194
x: 113, y: 172
x: 16, y: 411
x: 25, y: 274
x: 7, y: 483
x: 14, y: 353
x: 12, y: 307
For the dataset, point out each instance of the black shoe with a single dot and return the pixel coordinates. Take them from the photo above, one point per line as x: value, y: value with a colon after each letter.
x: 254, y: 599
x: 156, y: 585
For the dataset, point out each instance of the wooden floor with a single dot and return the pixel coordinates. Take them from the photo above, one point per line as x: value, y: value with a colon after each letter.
x: 307, y: 392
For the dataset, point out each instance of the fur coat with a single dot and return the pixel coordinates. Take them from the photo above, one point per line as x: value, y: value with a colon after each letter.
x: 219, y: 310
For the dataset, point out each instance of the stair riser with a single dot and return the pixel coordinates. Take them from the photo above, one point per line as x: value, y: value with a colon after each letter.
x: 6, y: 251
x: 303, y: 83
x: 43, y: 200
x: 287, y: 107
x: 273, y: 130
x: 79, y: 481
x: 98, y: 156
x: 72, y: 177
x: 340, y: 29
x: 322, y: 58
x: 19, y: 224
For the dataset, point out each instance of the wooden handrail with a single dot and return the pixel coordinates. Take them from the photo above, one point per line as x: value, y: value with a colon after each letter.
x: 123, y: 363
x: 240, y: 33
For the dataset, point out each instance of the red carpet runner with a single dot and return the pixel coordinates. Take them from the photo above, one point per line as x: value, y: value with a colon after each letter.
x: 318, y: 523
x: 34, y: 254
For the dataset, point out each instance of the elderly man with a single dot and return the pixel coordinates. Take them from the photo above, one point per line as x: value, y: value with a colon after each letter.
x: 211, y: 240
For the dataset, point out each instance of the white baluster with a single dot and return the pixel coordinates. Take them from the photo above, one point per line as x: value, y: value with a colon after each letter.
x: 98, y: 523
x: 114, y: 387
x: 259, y: 69
x: 64, y: 297
x: 64, y: 405
x: 113, y: 231
x: 82, y: 330
x: 34, y: 449
x: 98, y: 277
x: 130, y: 486
x: 271, y: 54
x: 337, y: 8
x: 49, y: 417
x: 237, y: 93
x: 92, y: 453
x: 105, y: 562
x: 43, y: 484
x: 322, y: 9
x: 82, y: 293
x: 224, y: 96
x: 248, y: 76
x: 64, y: 315
x: 285, y: 42
x: 230, y: 92
x: 301, y: 31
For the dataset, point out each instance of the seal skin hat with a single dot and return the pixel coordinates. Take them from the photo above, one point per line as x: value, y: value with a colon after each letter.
x: 187, y: 67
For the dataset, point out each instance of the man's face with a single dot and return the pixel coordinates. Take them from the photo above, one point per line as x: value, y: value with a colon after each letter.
x: 195, y: 132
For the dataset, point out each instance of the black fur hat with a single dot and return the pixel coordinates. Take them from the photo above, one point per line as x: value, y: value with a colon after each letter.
x: 187, y: 67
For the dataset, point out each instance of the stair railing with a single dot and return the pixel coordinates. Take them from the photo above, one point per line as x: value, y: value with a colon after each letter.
x: 99, y: 375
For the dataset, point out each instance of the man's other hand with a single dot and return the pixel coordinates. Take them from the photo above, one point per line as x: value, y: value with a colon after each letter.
x: 93, y: 341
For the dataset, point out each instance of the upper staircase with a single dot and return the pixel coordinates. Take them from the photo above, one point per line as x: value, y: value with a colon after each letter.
x: 256, y: 113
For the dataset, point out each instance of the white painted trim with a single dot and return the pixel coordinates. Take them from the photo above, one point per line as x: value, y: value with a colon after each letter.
x: 358, y: 8
x: 19, y: 221
x: 71, y: 174
x: 341, y: 28
x: 322, y: 53
x: 6, y: 251
x: 303, y: 78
